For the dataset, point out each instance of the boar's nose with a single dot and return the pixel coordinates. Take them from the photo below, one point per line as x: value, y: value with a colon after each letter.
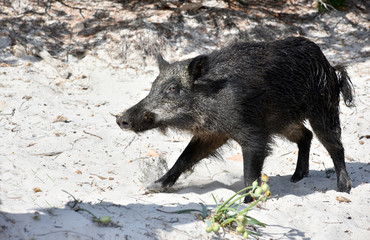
x: 122, y: 121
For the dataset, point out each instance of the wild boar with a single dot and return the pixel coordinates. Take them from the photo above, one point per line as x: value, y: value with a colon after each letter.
x: 248, y: 92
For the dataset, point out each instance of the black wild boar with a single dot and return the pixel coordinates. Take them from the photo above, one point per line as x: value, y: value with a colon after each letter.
x: 248, y: 92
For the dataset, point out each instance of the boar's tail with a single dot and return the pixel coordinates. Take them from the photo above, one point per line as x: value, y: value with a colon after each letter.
x: 345, y: 85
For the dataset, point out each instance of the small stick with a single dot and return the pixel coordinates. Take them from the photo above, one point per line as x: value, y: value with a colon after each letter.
x: 49, y: 154
x: 93, y: 135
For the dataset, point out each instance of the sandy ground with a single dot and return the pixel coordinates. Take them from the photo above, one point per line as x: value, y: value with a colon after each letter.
x: 61, y: 150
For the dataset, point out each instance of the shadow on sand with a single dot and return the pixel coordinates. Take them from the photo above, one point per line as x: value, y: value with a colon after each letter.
x: 147, y: 220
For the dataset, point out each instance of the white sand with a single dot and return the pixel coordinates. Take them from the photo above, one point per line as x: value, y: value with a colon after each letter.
x: 107, y: 169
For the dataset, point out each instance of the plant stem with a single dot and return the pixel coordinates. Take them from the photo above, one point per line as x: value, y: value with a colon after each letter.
x: 250, y: 206
x: 228, y: 200
x: 82, y: 209
x: 238, y: 198
x: 228, y: 221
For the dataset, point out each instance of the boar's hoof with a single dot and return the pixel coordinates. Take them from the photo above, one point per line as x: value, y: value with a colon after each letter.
x: 298, y: 176
x: 344, y: 182
x: 157, y: 187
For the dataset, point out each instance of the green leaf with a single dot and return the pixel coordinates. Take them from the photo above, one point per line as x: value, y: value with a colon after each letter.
x: 253, y: 233
x: 214, y: 199
x: 254, y: 221
x: 204, y: 210
x: 186, y: 211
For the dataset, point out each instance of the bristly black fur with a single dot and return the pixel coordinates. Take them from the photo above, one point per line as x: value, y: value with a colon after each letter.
x: 248, y: 92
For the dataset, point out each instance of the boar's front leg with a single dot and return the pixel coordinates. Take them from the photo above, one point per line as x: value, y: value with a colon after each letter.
x: 198, y: 148
x: 253, y: 157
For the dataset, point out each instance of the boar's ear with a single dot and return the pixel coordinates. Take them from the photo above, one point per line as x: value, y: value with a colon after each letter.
x: 161, y: 62
x: 198, y: 67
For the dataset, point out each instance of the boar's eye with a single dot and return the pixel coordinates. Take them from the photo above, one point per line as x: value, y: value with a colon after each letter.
x: 172, y: 90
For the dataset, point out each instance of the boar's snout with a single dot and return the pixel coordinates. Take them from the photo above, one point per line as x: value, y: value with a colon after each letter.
x: 136, y: 119
x: 123, y: 121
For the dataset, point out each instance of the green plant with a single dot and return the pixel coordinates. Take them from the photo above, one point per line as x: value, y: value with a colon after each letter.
x: 103, y: 220
x: 228, y: 215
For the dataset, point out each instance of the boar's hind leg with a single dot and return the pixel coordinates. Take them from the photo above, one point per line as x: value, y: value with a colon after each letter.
x: 299, y: 134
x: 328, y: 132
x: 198, y: 148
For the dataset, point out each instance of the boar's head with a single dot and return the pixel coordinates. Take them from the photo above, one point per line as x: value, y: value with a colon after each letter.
x: 173, y: 100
